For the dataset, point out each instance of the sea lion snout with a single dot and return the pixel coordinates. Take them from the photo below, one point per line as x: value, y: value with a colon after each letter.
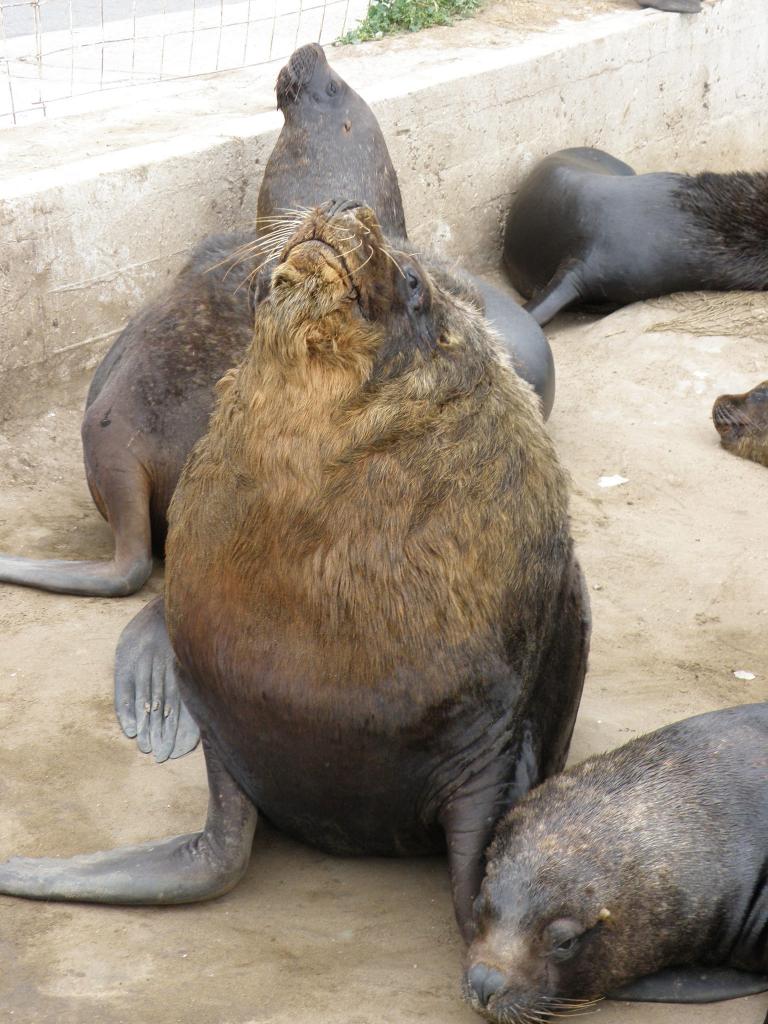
x: 297, y: 73
x: 729, y: 416
x: 335, y: 260
x: 742, y: 423
x: 482, y: 982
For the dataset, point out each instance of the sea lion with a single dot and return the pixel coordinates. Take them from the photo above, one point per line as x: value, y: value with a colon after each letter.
x: 648, y: 860
x: 742, y: 423
x: 523, y: 339
x: 371, y: 588
x: 584, y: 229
x: 150, y: 398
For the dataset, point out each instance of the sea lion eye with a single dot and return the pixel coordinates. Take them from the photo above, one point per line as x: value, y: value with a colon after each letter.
x: 563, y: 938
x: 416, y: 294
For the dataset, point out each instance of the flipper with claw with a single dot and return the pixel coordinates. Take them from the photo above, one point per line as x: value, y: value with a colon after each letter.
x: 148, y: 703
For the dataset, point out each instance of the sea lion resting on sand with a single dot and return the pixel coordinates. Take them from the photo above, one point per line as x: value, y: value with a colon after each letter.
x: 651, y: 858
x: 742, y: 423
x: 584, y: 229
x: 371, y: 588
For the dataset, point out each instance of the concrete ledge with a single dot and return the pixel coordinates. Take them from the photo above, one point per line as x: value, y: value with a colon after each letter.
x: 97, y: 212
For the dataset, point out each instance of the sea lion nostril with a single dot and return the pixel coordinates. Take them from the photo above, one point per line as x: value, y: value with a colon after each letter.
x: 302, y: 63
x: 484, y: 981
x: 342, y: 205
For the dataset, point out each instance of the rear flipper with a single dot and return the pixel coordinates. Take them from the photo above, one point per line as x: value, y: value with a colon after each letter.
x: 88, y: 579
x: 562, y: 291
x: 148, y: 703
x: 692, y: 985
x: 125, y: 497
x: 184, y: 869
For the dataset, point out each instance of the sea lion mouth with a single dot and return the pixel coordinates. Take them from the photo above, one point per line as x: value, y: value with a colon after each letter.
x: 731, y: 420
x: 508, y: 1007
x: 334, y: 255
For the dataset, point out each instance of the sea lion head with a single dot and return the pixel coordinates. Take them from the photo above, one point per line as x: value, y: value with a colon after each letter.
x: 742, y: 423
x: 581, y: 895
x: 344, y: 301
x: 308, y: 79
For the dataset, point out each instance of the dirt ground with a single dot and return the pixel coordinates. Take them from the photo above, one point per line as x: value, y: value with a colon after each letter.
x: 677, y: 566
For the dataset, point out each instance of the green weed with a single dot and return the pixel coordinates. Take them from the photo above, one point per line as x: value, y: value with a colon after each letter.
x: 385, y: 16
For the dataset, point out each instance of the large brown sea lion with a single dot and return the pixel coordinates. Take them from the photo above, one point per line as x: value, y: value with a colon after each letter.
x: 370, y: 583
x: 742, y: 423
x: 584, y: 229
x: 651, y: 860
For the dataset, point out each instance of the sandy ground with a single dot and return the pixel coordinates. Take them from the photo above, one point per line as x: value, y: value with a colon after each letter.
x: 678, y: 571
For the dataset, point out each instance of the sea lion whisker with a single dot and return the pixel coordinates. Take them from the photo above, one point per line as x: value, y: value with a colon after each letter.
x: 238, y: 256
x: 392, y: 259
x: 527, y: 1018
x: 563, y: 1003
x: 534, y: 1015
x: 354, y: 248
x: 281, y: 218
x: 365, y: 262
x: 252, y: 276
x: 562, y: 1000
x: 301, y: 211
x: 235, y: 257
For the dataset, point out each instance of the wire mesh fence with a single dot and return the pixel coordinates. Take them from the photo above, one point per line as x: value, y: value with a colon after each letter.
x: 54, y: 51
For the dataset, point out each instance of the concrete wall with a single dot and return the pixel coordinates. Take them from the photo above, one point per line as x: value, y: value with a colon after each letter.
x: 97, y: 212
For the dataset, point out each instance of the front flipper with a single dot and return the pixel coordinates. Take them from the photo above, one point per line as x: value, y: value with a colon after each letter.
x: 468, y: 818
x: 562, y: 290
x: 692, y: 985
x: 148, y: 703
x: 183, y: 869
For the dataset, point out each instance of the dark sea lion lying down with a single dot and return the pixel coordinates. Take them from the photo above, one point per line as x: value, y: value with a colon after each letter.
x: 742, y: 423
x: 651, y: 858
x: 584, y: 229
x: 371, y: 588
